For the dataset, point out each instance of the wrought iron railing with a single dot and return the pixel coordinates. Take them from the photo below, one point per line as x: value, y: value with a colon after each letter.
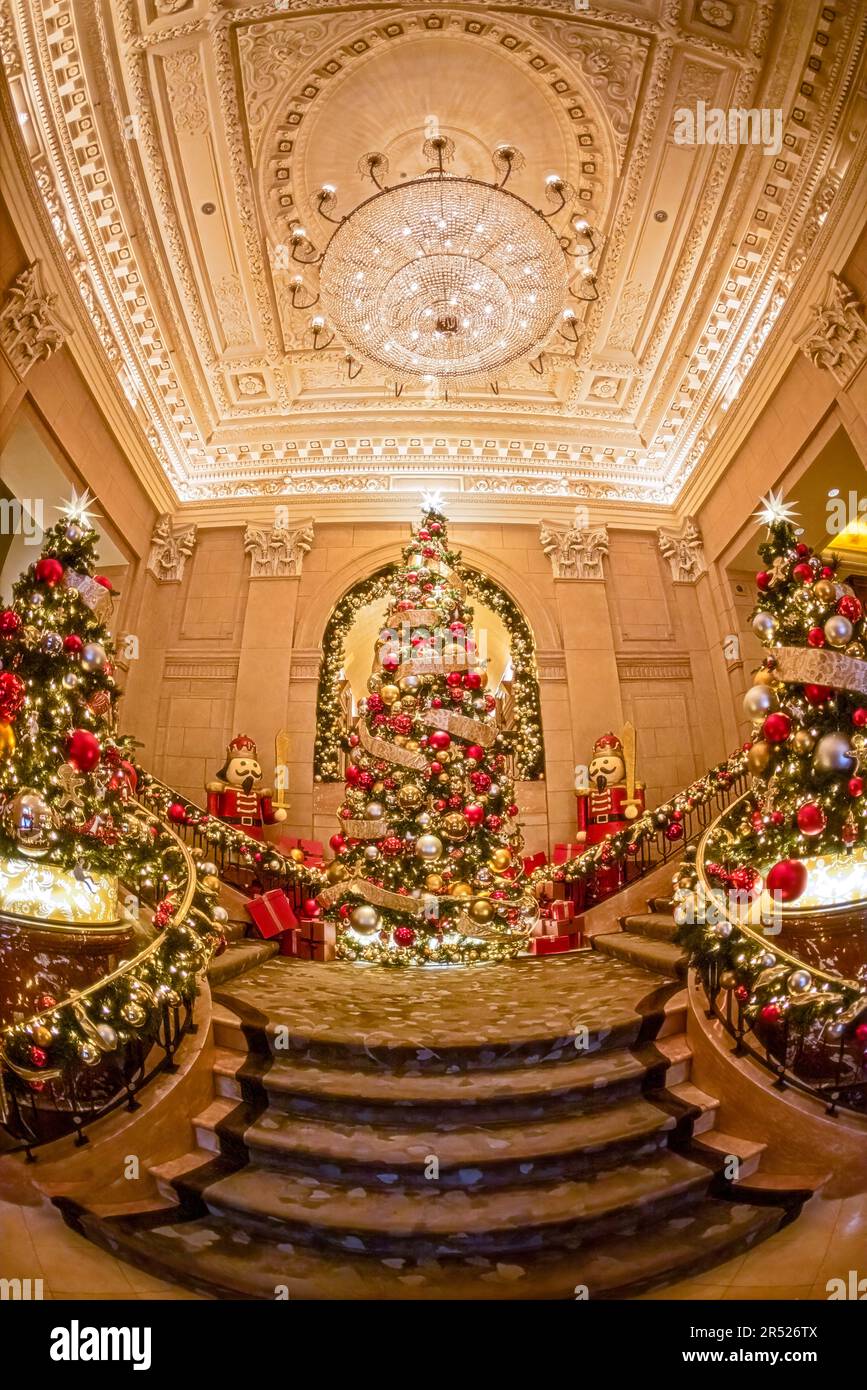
x: 821, y: 1054
x: 80, y: 1058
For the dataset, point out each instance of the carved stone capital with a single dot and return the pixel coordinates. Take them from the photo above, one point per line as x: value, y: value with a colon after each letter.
x: 279, y: 551
x: 684, y: 551
x: 575, y: 553
x: 31, y: 329
x: 170, y: 549
x: 836, y: 340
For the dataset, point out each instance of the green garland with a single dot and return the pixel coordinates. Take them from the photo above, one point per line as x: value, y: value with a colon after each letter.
x: 526, y: 738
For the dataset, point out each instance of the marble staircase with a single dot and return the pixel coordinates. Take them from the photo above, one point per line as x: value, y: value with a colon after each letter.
x: 526, y: 1130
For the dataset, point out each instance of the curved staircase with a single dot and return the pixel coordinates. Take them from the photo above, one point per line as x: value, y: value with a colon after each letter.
x: 525, y: 1130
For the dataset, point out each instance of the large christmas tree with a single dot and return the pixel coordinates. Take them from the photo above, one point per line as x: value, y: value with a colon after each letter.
x: 427, y: 864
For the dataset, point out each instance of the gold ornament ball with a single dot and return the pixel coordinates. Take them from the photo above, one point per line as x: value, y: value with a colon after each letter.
x: 412, y: 745
x: 855, y: 649
x: 373, y: 683
x: 297, y: 855
x: 803, y: 741
x: 434, y: 883
x: 825, y: 590
x: 461, y: 890
x: 388, y: 694
x: 759, y: 758
x: 211, y: 882
x: 335, y: 871
x: 481, y: 910
x: 410, y: 796
x: 431, y: 603
x: 454, y: 826
x: 409, y: 683
x: 365, y: 919
x: 41, y: 1035
x: 764, y: 677
x: 500, y: 859
x: 378, y: 788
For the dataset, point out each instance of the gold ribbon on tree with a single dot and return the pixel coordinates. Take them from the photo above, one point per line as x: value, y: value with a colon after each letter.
x: 473, y: 730
x: 819, y: 666
x: 389, y: 752
x: 365, y: 829
x: 371, y: 893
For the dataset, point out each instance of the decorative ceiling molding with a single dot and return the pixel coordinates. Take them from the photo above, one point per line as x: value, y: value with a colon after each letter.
x: 278, y: 551
x: 684, y: 551
x: 171, y: 547
x: 31, y: 329
x: 576, y: 553
x: 161, y: 143
x: 836, y: 340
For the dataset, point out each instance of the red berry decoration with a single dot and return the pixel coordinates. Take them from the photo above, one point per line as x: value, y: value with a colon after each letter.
x: 12, y: 691
x: 404, y: 936
x: 816, y: 694
x: 787, y: 879
x: 811, y: 819
x: 816, y: 637
x: 48, y: 571
x: 777, y: 727
x: 38, y: 1056
x: 83, y: 750
x: 9, y: 623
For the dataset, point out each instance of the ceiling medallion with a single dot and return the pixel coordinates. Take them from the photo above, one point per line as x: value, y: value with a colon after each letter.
x: 445, y: 277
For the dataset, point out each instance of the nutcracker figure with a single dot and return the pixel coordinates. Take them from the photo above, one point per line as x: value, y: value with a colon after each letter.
x: 237, y: 796
x: 609, y: 799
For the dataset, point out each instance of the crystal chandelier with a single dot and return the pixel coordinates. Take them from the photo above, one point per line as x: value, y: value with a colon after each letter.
x: 445, y: 277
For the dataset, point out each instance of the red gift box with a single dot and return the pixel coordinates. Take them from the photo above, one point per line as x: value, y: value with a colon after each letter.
x: 534, y: 861
x: 564, y: 852
x: 562, y: 910
x: 272, y: 914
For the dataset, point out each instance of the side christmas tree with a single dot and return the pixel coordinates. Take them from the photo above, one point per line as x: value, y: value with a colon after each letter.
x: 427, y: 858
x: 806, y: 834
x: 65, y: 777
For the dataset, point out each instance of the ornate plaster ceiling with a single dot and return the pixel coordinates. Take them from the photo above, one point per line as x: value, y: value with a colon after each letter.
x: 175, y: 142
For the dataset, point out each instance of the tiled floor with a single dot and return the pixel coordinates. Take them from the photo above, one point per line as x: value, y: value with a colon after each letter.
x: 828, y: 1241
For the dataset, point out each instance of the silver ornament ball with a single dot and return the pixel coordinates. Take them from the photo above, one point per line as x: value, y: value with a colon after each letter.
x: 764, y: 626
x: 429, y: 847
x: 833, y: 755
x: 838, y: 630
x: 93, y: 656
x: 365, y: 919
x: 760, y: 700
x: 374, y: 810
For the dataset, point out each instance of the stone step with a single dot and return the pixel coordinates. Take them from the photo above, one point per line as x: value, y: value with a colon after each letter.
x: 660, y: 904
x: 434, y: 1221
x: 530, y: 1011
x: 658, y: 926
x: 240, y: 957
x: 721, y: 1148
x: 660, y: 956
x: 698, y: 1100
x: 469, y: 1157
x: 221, y: 1260
x: 523, y: 1093
x: 678, y: 1054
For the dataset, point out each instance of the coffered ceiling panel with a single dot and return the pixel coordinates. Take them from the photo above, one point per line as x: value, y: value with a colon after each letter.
x: 176, y: 143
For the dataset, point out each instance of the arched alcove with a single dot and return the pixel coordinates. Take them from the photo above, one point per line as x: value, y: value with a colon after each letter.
x: 360, y: 599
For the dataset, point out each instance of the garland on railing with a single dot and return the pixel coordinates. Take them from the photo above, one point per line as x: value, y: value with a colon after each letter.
x: 526, y: 736
x: 170, y: 806
x: 126, y: 1006
x: 666, y: 819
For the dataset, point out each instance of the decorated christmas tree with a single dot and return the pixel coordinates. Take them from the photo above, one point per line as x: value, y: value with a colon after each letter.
x: 806, y: 835
x: 71, y: 835
x: 427, y: 864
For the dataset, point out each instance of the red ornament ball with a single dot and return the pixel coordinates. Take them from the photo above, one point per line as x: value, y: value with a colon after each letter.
x: 454, y: 678
x: 850, y: 607
x: 777, y: 727
x: 816, y: 694
x: 861, y: 1032
x: 391, y: 845
x: 787, y: 879
x: 473, y: 680
x: 311, y: 908
x: 103, y: 580
x: 337, y: 842
x: 38, y: 1056
x: 856, y: 786
x: 474, y: 814
x: 83, y: 750
x: 811, y: 819
x: 859, y: 718
x: 816, y: 637
x: 771, y: 1013
x: 73, y: 644
x: 440, y: 740
x: 674, y: 832
x: 802, y: 549
x: 45, y: 1001
x: 475, y: 750
x: 177, y: 813
x: 742, y: 994
x: 512, y: 809
x: 404, y: 936
x: 763, y: 580
x: 12, y: 692
x: 803, y: 573
x: 48, y: 571
x: 9, y: 623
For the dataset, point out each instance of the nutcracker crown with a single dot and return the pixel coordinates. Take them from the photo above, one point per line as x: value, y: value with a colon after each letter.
x: 608, y: 742
x: 241, y: 744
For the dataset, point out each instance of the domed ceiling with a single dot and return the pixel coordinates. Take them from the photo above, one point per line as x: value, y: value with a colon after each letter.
x: 174, y: 144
